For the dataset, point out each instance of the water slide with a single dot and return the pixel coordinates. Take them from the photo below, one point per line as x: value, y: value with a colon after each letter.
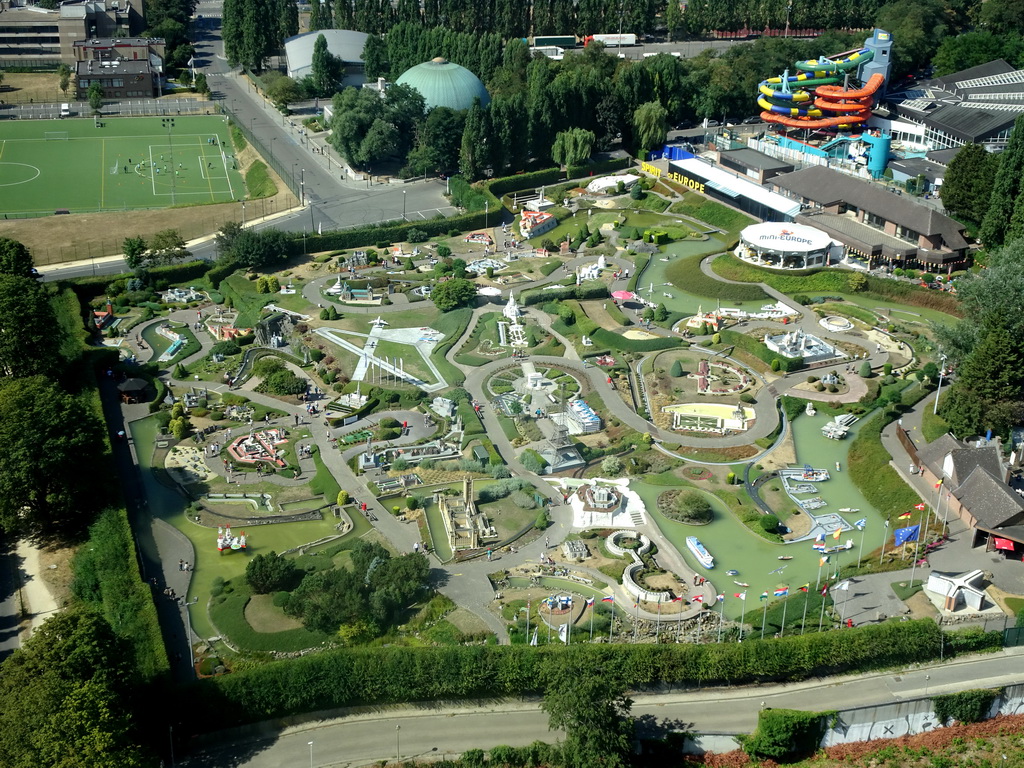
x: 788, y: 100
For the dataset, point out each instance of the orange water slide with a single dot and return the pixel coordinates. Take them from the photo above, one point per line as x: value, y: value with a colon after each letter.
x: 845, y: 121
x: 833, y: 98
x: 870, y: 88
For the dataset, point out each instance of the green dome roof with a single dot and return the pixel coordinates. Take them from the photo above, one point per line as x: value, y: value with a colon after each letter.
x: 443, y: 84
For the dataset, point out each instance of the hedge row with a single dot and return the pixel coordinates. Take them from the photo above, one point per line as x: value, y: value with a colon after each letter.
x: 106, y: 575
x: 507, y: 184
x: 89, y: 288
x: 589, y: 290
x: 605, y: 338
x: 361, y: 676
x: 599, y: 166
x: 760, y: 351
x: 389, y: 231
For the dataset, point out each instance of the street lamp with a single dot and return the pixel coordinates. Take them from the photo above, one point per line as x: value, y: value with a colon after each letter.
x: 302, y: 187
x: 487, y: 210
x: 398, y: 742
x: 311, y: 754
x: 403, y: 206
x: 293, y: 175
x: 243, y: 214
x: 272, y: 140
x: 942, y: 372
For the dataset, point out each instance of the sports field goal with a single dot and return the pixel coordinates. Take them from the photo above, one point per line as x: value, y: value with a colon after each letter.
x: 55, y: 135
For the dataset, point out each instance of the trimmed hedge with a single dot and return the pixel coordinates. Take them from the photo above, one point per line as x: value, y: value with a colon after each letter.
x: 507, y: 184
x: 589, y: 290
x: 89, y: 288
x: 106, y: 576
x: 389, y: 231
x: 759, y: 350
x: 597, y: 167
x: 965, y: 706
x: 357, y: 676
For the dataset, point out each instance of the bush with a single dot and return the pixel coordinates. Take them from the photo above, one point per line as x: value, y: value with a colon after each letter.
x: 746, y: 397
x: 523, y: 500
x: 965, y: 706
x: 271, y: 573
x: 693, y: 507
x: 542, y: 521
x: 770, y: 523
x: 676, y: 369
x: 865, y: 370
x: 281, y: 599
x: 784, y: 734
x: 227, y: 348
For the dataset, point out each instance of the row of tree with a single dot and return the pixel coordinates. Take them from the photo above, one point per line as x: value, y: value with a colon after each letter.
x: 50, y: 487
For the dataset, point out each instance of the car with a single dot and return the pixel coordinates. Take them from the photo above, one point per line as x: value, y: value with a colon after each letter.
x: 753, y: 119
x: 713, y: 123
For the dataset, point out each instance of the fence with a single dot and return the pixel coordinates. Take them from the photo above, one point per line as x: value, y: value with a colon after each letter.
x: 286, y: 174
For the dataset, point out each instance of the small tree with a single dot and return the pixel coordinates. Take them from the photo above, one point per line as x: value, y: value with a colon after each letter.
x: 64, y: 77
x: 95, y: 96
x: 342, y: 497
x: 661, y: 313
x: 134, y: 252
x: 637, y: 192
x: 865, y: 370
x: 770, y: 523
x: 676, y: 369
x: 692, y: 506
x: 611, y: 465
x: 271, y: 573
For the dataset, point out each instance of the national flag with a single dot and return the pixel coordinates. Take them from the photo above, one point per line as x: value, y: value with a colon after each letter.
x: 905, y: 515
x: 903, y: 535
x: 533, y: 640
x: 563, y: 633
x: 610, y: 599
x: 843, y: 585
x: 782, y: 592
x: 320, y: 228
x: 741, y: 595
x: 590, y: 601
x: 677, y: 599
x: 805, y: 587
x: 764, y: 595
x: 919, y: 507
x: 820, y: 538
x: 861, y: 524
x: 720, y: 597
x: 941, y: 479
x: 698, y: 599
x: 837, y: 534
x: 824, y: 589
x: 822, y: 560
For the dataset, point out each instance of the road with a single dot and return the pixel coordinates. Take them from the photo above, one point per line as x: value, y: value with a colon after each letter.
x: 439, y: 729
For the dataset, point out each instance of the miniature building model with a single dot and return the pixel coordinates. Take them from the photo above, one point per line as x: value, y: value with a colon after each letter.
x: 467, y: 527
x: 534, y: 223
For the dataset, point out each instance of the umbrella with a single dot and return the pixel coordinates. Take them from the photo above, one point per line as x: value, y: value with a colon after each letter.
x: 622, y: 295
x: 133, y: 385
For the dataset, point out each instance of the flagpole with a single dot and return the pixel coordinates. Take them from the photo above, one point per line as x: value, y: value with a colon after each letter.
x: 842, y: 610
x: 636, y: 618
x: 657, y: 631
x: 782, y: 629
x: 699, y: 622
x: 611, y: 629
x: 743, y: 616
x: 764, y: 618
x: 527, y: 622
x: 593, y: 610
x: 917, y: 552
x: 817, y: 581
x: 721, y: 621
x: 885, y: 535
x: 860, y: 552
x: 807, y: 599
x: 821, y: 618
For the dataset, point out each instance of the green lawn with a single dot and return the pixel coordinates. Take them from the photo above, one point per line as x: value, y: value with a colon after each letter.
x: 129, y: 163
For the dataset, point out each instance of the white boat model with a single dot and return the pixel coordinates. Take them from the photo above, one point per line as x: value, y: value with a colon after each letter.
x: 700, y: 552
x: 849, y: 509
x: 810, y: 410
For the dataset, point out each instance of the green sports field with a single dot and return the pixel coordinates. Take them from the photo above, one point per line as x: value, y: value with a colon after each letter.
x: 128, y: 163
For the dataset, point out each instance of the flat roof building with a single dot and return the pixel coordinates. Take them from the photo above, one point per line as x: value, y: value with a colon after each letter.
x: 739, y: 192
x: 31, y: 36
x: 875, y: 223
x: 756, y: 165
x: 119, y: 79
x: 344, y: 44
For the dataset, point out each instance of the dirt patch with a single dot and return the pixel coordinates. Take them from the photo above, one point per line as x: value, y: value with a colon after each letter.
x: 56, y: 573
x: 798, y: 523
x: 729, y: 453
x: 27, y: 87
x: 921, y: 607
x: 264, y: 616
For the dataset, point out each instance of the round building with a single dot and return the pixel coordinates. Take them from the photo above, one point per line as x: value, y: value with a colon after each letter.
x: 444, y: 84
x: 786, y: 246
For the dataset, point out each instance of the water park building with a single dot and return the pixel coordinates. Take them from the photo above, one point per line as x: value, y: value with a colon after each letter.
x: 787, y: 246
x: 975, y: 106
x: 344, y: 44
x: 873, y: 222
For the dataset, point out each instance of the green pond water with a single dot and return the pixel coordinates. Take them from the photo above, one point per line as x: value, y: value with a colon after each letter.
x: 734, y: 547
x: 155, y: 341
x: 680, y: 300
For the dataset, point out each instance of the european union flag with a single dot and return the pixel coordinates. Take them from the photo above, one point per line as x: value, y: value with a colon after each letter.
x: 910, y: 533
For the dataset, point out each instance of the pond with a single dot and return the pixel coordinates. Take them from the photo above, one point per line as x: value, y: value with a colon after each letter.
x: 735, y: 547
x: 679, y: 300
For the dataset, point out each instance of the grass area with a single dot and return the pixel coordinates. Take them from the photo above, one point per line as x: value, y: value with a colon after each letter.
x: 227, y: 611
x: 323, y: 481
x: 237, y: 138
x: 868, y: 464
x: 570, y: 227
x: 851, y: 311
x: 453, y: 325
x: 1015, y: 604
x: 508, y: 426
x: 648, y: 203
x: 904, y: 590
x: 129, y: 163
x: 249, y: 304
x: 793, y: 281
x: 711, y: 212
x: 686, y: 274
x: 413, y: 360
x: 258, y: 181
x: 933, y: 426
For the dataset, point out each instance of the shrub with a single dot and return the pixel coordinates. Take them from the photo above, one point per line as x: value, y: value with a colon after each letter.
x: 965, y: 706
x: 693, y: 507
x: 271, y: 573
x: 783, y: 734
x: 865, y: 370
x: 542, y: 520
x: 676, y: 369
x: 746, y: 397
x: 730, y: 478
x: 523, y: 500
x: 770, y: 523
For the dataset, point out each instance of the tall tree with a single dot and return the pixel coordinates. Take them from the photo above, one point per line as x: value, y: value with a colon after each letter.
x: 572, y: 147
x: 29, y: 333
x: 15, y: 258
x: 967, y: 186
x: 315, y: 21
x: 1006, y: 189
x: 326, y: 69
x: 473, y: 154
x: 988, y: 392
x: 917, y: 28
x: 47, y: 488
x: 288, y: 18
x: 375, y: 58
x: 674, y: 23
x: 650, y: 123
x: 438, y: 142
x: 590, y: 704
